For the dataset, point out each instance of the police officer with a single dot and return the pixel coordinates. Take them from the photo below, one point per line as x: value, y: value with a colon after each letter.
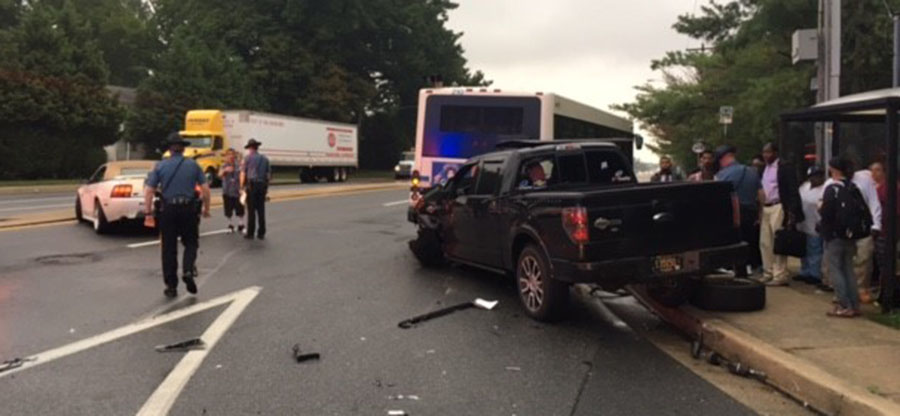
x: 255, y: 175
x: 176, y: 180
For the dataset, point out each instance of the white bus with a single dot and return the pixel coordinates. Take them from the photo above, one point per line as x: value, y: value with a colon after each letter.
x: 457, y: 123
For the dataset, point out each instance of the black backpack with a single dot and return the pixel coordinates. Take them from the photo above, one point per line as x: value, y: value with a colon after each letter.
x: 853, y: 221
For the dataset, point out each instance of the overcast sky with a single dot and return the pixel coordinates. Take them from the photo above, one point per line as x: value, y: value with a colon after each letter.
x: 593, y: 51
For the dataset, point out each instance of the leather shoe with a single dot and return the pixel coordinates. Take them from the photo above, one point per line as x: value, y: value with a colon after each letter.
x: 189, y: 282
x: 170, y: 292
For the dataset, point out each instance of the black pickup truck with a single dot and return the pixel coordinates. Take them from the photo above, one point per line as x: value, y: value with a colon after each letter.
x: 556, y: 213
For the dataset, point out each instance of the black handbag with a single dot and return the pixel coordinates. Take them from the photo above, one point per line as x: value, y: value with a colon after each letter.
x: 790, y: 242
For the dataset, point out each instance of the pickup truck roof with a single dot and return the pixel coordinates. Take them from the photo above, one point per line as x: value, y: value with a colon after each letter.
x: 526, y: 147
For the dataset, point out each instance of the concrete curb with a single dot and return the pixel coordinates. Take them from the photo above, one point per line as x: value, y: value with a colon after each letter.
x: 274, y: 196
x: 793, y: 375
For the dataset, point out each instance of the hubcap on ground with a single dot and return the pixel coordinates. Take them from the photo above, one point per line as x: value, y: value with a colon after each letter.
x: 530, y: 280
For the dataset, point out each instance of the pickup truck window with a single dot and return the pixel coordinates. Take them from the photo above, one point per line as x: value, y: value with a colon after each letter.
x: 464, y: 181
x: 607, y: 167
x: 572, y: 168
x: 537, y: 173
x: 489, y: 179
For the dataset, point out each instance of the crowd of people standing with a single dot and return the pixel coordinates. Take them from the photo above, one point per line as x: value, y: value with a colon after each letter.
x: 837, y: 209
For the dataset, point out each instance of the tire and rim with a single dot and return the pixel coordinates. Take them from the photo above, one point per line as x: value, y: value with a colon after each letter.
x: 427, y: 248
x: 729, y: 294
x: 333, y: 175
x: 542, y: 296
x: 674, y: 293
x: 101, y: 226
x: 343, y: 174
x: 78, y: 215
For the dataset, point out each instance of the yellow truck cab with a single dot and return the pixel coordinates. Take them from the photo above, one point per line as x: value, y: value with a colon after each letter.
x: 205, y: 130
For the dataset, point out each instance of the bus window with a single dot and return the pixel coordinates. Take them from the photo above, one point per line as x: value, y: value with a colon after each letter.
x: 459, y: 126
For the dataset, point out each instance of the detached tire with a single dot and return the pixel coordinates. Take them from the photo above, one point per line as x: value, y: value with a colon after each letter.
x: 543, y: 297
x: 675, y: 294
x: 427, y: 249
x: 730, y: 295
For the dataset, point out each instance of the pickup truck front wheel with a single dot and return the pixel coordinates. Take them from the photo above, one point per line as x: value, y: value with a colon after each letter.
x: 427, y: 248
x: 543, y: 297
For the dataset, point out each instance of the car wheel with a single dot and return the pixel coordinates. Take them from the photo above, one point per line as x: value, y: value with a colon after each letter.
x: 542, y: 296
x: 673, y: 293
x: 78, y: 215
x: 427, y: 249
x: 101, y: 225
x: 729, y: 294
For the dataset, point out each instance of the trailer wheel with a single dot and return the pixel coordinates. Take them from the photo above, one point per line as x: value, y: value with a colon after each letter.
x: 332, y: 175
x: 344, y: 174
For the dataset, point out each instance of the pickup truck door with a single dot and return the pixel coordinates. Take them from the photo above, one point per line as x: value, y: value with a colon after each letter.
x: 460, y: 228
x: 485, y: 215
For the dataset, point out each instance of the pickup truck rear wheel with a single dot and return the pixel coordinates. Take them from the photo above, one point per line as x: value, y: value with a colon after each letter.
x: 543, y: 297
x: 427, y: 249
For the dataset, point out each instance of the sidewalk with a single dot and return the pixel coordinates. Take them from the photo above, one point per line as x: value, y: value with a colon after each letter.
x: 837, y: 366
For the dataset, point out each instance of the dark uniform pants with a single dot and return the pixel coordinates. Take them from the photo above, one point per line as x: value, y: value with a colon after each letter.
x: 750, y: 235
x: 178, y: 221
x: 256, y: 207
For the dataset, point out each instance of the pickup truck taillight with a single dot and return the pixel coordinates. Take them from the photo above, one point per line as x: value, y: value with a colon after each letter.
x: 575, y: 222
x: 121, y: 191
x: 735, y: 210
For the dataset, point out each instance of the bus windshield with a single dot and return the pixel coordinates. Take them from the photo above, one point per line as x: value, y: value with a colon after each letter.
x: 464, y: 126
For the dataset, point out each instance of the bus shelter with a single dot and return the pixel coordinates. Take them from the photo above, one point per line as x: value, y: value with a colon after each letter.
x: 863, y: 128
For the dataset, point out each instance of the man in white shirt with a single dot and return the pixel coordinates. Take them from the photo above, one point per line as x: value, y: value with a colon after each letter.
x: 810, y: 196
x: 865, y: 248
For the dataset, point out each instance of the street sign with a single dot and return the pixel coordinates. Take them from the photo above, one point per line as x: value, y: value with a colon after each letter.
x: 726, y: 114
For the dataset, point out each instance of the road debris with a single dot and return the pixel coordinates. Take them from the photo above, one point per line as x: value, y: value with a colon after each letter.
x: 13, y: 363
x: 300, y: 357
x: 406, y: 397
x: 191, y: 344
x: 513, y: 368
x: 397, y: 413
x: 477, y: 303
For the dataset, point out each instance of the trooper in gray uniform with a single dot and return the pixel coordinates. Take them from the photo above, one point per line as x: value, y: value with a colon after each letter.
x: 176, y: 180
x: 256, y: 172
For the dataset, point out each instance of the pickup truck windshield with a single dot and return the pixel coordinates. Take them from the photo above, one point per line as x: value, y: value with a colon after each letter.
x: 593, y: 167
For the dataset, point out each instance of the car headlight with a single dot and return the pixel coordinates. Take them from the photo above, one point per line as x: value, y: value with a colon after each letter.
x: 397, y: 168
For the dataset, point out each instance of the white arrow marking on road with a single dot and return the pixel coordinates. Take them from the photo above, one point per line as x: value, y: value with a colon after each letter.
x: 155, y: 242
x: 165, y: 395
x: 390, y: 204
x: 242, y: 297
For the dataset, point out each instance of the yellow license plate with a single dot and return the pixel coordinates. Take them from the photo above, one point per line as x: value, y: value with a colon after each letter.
x: 668, y: 264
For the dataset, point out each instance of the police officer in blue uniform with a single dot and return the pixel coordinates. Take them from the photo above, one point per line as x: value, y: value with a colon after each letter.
x: 176, y: 180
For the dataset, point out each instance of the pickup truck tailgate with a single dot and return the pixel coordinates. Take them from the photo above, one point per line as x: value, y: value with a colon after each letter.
x: 652, y: 219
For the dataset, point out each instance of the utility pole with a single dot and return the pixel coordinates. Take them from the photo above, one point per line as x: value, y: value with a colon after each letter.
x: 895, y: 17
x: 828, y: 63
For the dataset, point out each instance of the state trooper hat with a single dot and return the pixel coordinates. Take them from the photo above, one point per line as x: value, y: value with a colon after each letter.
x: 252, y: 143
x: 175, y: 138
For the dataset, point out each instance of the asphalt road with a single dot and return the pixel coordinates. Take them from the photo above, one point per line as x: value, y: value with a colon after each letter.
x: 335, y: 277
x: 12, y: 205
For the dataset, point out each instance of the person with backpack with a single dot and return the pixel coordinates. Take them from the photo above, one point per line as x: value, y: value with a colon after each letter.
x: 845, y: 220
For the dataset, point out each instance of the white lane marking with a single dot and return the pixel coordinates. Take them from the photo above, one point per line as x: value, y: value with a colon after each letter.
x: 154, y: 242
x: 390, y: 204
x: 124, y: 331
x: 162, y: 400
x: 27, y: 201
x: 27, y: 208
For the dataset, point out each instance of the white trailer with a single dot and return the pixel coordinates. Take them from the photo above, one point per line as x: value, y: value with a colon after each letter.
x: 320, y: 149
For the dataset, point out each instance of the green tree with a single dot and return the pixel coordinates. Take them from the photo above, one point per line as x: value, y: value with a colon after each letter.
x: 54, y: 108
x: 191, y: 74
x: 749, y: 67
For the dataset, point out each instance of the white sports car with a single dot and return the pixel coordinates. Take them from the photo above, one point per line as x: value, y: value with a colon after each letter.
x: 115, y: 192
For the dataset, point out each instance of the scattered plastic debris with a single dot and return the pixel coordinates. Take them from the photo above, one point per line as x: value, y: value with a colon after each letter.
x: 363, y: 339
x: 430, y: 352
x: 513, y: 368
x: 71, y: 330
x: 397, y: 413
x: 191, y: 344
x: 218, y: 366
x: 14, y: 363
x: 477, y: 303
x: 300, y: 357
x: 406, y: 397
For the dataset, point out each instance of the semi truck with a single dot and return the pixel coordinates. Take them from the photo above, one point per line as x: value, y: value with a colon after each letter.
x: 318, y: 149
